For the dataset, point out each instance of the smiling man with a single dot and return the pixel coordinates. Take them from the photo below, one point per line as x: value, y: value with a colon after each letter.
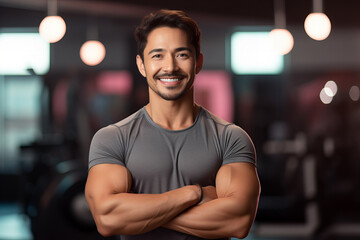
x: 172, y: 170
x: 168, y: 63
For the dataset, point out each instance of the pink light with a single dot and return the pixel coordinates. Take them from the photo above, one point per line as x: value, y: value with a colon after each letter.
x: 213, y: 91
x: 115, y: 82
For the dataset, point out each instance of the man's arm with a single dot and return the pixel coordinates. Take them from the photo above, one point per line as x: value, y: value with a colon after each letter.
x: 117, y: 211
x: 232, y: 213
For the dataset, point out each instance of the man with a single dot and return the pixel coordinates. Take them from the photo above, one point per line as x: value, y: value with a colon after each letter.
x: 172, y: 170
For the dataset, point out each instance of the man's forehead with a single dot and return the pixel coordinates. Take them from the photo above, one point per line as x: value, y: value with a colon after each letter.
x: 161, y: 33
x: 164, y: 37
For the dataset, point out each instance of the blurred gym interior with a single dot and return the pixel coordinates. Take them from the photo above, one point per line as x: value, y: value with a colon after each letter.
x: 307, y: 147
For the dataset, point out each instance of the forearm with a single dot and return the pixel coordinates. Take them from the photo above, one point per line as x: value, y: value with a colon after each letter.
x: 128, y: 214
x: 222, y: 217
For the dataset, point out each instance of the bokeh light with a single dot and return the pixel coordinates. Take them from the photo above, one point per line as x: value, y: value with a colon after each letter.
x: 317, y: 26
x: 282, y: 40
x: 92, y: 52
x: 354, y: 93
x: 52, y: 28
x: 330, y: 88
x: 326, y: 99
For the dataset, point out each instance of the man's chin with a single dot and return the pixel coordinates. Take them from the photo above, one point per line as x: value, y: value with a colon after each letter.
x: 171, y: 97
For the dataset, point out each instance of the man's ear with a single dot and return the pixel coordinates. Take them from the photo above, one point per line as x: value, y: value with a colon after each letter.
x: 199, y: 63
x: 140, y: 65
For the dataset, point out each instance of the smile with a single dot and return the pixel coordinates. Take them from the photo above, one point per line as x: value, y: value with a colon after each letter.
x: 169, y: 79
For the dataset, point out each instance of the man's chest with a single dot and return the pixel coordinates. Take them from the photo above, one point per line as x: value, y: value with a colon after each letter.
x: 172, y: 161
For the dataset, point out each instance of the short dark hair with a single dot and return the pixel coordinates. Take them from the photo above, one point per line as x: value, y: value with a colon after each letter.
x: 168, y: 18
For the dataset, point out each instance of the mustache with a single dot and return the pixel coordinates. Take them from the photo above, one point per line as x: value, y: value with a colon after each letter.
x: 173, y: 74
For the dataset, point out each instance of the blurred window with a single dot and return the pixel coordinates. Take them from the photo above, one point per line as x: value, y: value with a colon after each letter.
x: 252, y: 53
x: 19, y: 117
x: 22, y: 53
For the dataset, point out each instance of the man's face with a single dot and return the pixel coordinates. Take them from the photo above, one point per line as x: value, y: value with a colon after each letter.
x: 169, y: 63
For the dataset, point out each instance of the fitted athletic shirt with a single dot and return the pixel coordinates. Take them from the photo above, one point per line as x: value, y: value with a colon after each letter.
x: 161, y: 160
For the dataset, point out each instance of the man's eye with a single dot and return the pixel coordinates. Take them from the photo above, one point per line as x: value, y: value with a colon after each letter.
x: 183, y: 55
x: 156, y: 56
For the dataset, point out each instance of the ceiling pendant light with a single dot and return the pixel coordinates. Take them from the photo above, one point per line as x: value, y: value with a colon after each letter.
x: 280, y: 37
x: 92, y: 52
x: 317, y: 25
x: 52, y: 28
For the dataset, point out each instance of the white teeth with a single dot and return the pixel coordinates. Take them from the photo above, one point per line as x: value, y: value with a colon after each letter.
x: 169, y: 79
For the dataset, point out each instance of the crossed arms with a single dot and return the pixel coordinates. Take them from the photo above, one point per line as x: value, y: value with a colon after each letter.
x: 225, y: 211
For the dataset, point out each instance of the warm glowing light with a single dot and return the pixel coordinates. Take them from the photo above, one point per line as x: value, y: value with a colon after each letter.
x: 354, y: 93
x: 92, y: 52
x: 282, y: 40
x: 329, y: 92
x: 52, y: 28
x: 317, y: 26
x: 324, y: 97
x: 330, y: 88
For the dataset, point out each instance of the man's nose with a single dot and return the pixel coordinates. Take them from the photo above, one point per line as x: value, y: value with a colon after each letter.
x: 170, y: 64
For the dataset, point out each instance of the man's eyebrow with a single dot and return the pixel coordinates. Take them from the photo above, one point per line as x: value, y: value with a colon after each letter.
x: 155, y: 50
x: 183, y: 49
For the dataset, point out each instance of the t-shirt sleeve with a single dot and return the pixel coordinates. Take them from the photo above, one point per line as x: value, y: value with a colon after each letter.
x: 238, y: 146
x: 106, y: 147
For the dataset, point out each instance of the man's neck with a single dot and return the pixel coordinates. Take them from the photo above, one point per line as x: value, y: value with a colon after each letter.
x: 173, y: 115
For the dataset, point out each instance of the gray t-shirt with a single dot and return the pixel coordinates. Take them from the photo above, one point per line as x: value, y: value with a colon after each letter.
x: 161, y: 160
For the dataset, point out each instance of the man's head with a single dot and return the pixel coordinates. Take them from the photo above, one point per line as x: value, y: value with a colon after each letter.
x: 167, y: 18
x: 169, y: 54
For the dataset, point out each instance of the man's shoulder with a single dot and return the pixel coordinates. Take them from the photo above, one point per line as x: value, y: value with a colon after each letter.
x: 111, y: 131
x: 214, y: 118
x: 222, y: 124
x: 130, y: 119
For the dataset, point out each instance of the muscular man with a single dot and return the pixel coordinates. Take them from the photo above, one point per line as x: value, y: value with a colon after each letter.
x: 172, y: 170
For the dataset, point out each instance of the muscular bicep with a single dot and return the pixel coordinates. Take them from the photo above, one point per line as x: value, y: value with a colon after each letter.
x: 240, y: 182
x: 107, y: 179
x: 117, y: 211
x: 231, y: 213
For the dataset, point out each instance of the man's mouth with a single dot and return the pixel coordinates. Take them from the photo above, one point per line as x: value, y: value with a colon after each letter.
x: 170, y: 80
